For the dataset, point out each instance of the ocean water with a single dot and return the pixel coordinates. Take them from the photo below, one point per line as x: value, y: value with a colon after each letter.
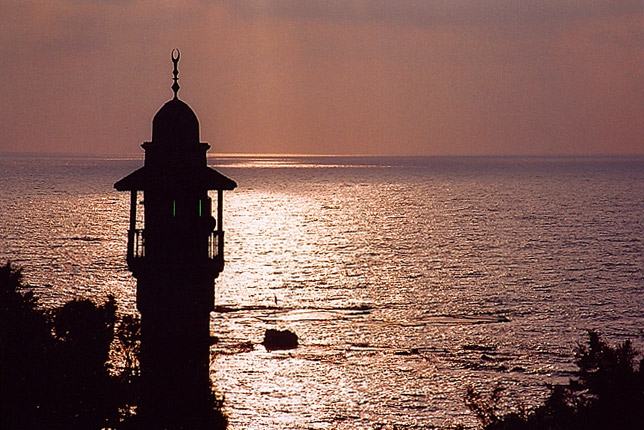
x: 406, y: 279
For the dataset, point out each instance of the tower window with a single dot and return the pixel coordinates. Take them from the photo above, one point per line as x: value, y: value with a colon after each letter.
x: 174, y: 208
x: 199, y: 207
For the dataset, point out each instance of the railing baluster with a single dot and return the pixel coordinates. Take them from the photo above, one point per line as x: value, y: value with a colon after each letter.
x: 136, y: 244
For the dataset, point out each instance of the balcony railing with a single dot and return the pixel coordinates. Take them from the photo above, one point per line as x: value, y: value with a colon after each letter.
x: 136, y: 245
x: 215, y: 244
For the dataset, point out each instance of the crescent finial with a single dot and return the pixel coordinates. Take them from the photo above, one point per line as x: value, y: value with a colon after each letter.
x: 175, y: 55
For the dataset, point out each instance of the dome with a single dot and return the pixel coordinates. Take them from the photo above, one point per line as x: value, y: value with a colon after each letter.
x: 175, y: 124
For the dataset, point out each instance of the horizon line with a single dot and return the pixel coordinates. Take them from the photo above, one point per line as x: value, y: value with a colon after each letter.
x: 141, y: 155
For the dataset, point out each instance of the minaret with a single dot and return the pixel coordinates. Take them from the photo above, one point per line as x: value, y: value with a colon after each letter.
x: 176, y: 251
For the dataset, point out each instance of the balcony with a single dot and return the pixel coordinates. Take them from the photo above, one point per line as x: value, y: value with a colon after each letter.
x: 136, y: 246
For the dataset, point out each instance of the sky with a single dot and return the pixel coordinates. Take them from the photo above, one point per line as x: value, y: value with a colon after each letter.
x: 382, y: 77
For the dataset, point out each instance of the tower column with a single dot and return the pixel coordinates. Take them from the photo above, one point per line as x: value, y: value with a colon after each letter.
x: 175, y: 266
x: 133, y: 196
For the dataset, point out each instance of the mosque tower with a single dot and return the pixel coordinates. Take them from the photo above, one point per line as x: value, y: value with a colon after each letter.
x: 175, y: 251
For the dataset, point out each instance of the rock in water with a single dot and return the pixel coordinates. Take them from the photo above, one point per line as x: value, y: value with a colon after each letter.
x: 279, y: 339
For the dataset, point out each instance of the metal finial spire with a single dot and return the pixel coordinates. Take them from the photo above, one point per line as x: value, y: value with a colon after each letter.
x: 175, y: 59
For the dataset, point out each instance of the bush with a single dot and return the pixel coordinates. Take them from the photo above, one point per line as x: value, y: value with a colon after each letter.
x: 607, y: 392
x: 73, y: 367
x: 55, y: 366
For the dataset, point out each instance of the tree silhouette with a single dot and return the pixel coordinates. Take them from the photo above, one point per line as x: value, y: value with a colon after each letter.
x: 58, y: 368
x: 607, y: 392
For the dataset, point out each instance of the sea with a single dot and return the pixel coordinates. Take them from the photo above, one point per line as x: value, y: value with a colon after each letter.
x: 406, y: 279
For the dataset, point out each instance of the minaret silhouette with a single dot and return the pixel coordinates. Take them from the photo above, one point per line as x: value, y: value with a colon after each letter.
x: 175, y: 252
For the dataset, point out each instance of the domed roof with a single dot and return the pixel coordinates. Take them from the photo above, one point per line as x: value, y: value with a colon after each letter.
x: 176, y: 124
x: 175, y: 159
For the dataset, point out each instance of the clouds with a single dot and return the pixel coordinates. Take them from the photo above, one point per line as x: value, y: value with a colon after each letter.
x: 370, y: 76
x: 428, y: 14
x: 464, y: 77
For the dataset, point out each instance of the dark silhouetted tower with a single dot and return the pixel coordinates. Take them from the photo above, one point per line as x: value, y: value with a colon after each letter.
x: 175, y: 251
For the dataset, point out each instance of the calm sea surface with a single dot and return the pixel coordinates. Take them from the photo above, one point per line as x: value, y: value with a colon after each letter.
x: 406, y: 279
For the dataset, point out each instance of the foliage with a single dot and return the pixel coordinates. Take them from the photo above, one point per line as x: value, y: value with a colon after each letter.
x: 487, y: 410
x: 128, y: 335
x: 607, y: 392
x: 55, y: 365
x: 74, y: 367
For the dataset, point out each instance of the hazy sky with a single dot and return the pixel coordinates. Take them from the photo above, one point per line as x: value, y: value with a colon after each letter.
x: 327, y: 76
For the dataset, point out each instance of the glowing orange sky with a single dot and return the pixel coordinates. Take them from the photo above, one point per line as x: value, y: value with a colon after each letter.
x: 408, y: 77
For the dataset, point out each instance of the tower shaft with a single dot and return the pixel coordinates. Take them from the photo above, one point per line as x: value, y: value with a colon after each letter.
x: 175, y: 251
